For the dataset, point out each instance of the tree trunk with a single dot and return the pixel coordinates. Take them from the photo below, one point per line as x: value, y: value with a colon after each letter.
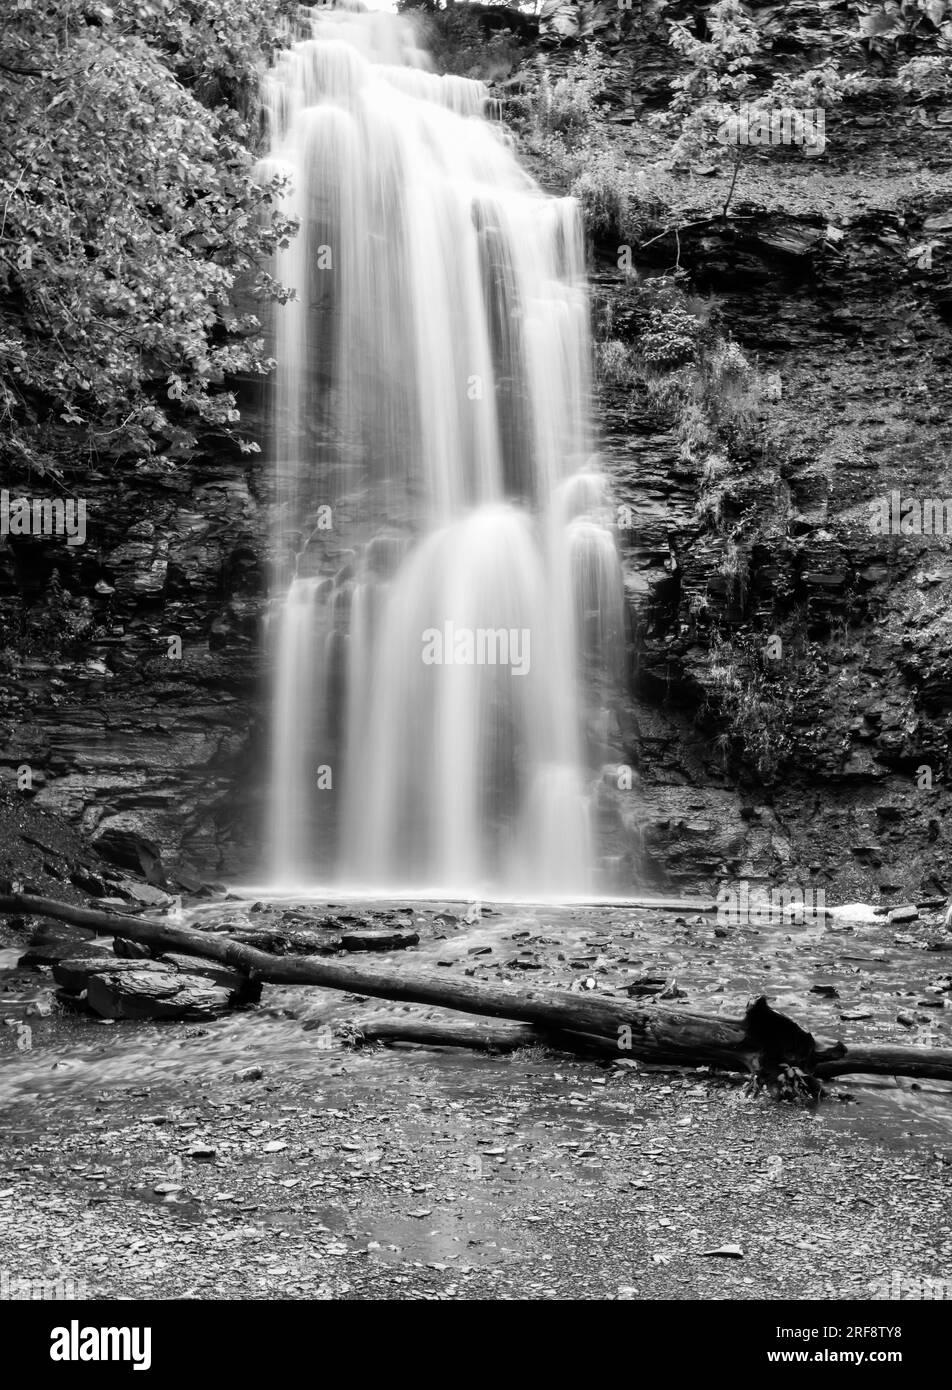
x: 763, y: 1042
x: 934, y: 1063
x: 493, y: 1037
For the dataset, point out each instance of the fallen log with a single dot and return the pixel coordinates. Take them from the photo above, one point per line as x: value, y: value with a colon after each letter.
x: 496, y: 1037
x: 762, y: 1043
x: 932, y: 1063
x: 502, y: 1037
x: 755, y: 1043
x: 925, y: 1062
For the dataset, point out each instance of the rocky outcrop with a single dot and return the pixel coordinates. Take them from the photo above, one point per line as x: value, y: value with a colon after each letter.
x: 827, y: 762
x: 172, y: 987
x: 129, y: 693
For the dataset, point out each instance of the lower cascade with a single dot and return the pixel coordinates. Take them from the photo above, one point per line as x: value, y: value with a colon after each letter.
x: 448, y: 609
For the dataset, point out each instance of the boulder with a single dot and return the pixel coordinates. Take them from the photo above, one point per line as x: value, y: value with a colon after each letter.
x: 143, y: 894
x: 248, y: 991
x: 74, y: 974
x: 90, y: 882
x: 155, y: 993
x: 123, y: 845
x: 155, y: 978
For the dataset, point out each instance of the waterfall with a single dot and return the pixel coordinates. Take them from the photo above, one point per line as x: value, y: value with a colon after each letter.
x: 446, y: 577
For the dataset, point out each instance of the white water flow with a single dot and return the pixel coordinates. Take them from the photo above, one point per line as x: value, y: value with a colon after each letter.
x: 447, y: 577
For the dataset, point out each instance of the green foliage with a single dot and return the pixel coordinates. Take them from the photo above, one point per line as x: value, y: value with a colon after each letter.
x: 715, y: 399
x: 670, y: 338
x: 603, y: 191
x: 613, y: 363
x: 741, y: 694
x: 926, y: 77
x: 718, y: 67
x: 683, y: 164
x: 598, y: 19
x: 134, y: 234
x: 688, y: 371
x: 721, y: 74
x: 567, y: 104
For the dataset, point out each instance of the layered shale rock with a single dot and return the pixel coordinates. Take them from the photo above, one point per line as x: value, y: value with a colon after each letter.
x: 174, y: 987
x: 133, y: 708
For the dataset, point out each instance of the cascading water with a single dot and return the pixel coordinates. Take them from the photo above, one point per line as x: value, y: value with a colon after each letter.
x: 446, y: 564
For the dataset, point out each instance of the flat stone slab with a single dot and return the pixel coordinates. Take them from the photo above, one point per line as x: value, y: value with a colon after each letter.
x: 216, y: 972
x: 143, y: 894
x: 178, y: 985
x: 150, y: 993
x: 74, y: 974
x: 208, y: 969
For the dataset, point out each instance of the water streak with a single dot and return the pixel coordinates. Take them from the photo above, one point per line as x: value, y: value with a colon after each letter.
x: 445, y: 564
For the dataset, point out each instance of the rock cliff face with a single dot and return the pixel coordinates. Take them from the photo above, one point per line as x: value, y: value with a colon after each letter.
x: 789, y: 702
x: 130, y: 685
x: 828, y: 763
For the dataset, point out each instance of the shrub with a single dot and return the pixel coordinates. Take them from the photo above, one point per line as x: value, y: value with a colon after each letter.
x: 670, y: 338
x: 740, y: 695
x: 714, y: 396
x: 134, y: 228
x: 613, y: 363
x: 602, y: 193
x: 926, y: 77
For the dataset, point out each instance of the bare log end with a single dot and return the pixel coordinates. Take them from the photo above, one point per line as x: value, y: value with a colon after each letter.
x: 786, y: 1054
x: 777, y: 1039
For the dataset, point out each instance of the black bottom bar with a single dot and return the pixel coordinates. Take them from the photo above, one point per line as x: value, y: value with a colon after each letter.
x: 201, y: 1342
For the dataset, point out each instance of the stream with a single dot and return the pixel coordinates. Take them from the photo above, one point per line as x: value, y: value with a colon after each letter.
x: 875, y: 971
